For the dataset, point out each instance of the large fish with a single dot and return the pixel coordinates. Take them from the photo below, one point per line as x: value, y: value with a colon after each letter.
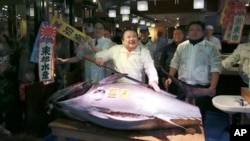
x: 123, y: 106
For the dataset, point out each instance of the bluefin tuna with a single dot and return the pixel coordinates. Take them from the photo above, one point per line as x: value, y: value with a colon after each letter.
x: 123, y: 106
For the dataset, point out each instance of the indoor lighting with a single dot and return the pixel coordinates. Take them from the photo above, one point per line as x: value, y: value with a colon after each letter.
x: 142, y: 22
x: 134, y: 20
x: 117, y: 25
x: 125, y: 17
x: 142, y: 5
x: 112, y: 13
x: 32, y: 13
x: 148, y: 23
x: 153, y: 25
x: 125, y: 10
x: 198, y: 4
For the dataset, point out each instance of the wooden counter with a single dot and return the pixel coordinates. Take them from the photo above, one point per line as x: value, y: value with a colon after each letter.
x: 246, y: 94
x: 65, y: 128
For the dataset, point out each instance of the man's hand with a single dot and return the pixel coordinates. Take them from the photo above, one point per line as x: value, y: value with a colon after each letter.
x: 99, y: 62
x: 60, y: 61
x: 89, y: 40
x: 167, y: 83
x: 155, y: 86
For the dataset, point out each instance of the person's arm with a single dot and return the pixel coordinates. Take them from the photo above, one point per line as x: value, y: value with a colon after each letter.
x: 150, y: 70
x: 168, y: 81
x: 232, y: 59
x: 214, y: 80
x: 92, y: 45
x: 67, y: 60
x: 104, y: 56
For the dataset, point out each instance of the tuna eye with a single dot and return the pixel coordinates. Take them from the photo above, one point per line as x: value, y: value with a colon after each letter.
x: 98, y: 94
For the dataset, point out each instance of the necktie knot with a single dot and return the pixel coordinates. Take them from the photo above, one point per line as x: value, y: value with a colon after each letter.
x: 96, y: 42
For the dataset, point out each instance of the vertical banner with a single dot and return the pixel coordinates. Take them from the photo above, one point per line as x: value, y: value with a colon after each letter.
x: 236, y: 33
x: 68, y: 31
x: 34, y: 54
x: 46, y: 43
x: 233, y: 20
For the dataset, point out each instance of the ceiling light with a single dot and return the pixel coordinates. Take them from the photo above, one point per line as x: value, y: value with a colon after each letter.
x: 117, y: 25
x: 32, y: 13
x: 125, y: 17
x: 134, y: 20
x: 142, y: 22
x: 125, y: 10
x: 198, y: 4
x: 142, y: 5
x: 152, y: 24
x: 112, y: 13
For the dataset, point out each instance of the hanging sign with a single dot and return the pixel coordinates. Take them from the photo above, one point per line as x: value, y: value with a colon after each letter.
x: 46, y: 43
x: 34, y: 54
x: 68, y: 31
x: 233, y: 21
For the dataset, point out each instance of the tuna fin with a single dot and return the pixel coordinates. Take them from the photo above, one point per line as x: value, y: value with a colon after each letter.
x: 98, y: 114
x: 112, y: 78
x: 168, y: 119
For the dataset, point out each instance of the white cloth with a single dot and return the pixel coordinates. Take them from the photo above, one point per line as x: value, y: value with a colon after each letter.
x: 240, y: 55
x: 196, y: 62
x: 135, y: 64
x: 92, y: 72
x: 216, y: 41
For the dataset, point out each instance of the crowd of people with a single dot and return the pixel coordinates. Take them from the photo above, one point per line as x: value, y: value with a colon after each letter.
x: 195, y: 61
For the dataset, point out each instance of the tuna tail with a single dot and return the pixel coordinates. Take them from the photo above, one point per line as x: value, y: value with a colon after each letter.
x: 168, y: 119
x: 188, y: 90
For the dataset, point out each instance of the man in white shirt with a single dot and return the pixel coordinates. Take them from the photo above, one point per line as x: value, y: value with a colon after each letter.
x: 132, y: 59
x: 198, y: 64
x: 209, y: 36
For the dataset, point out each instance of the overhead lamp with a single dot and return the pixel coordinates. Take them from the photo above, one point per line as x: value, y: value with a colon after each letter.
x: 142, y: 5
x: 32, y: 13
x: 247, y: 3
x: 117, y: 25
x: 125, y: 9
x: 125, y: 17
x: 153, y: 25
x: 112, y: 13
x: 148, y: 23
x: 198, y: 4
x: 134, y: 20
x: 142, y: 22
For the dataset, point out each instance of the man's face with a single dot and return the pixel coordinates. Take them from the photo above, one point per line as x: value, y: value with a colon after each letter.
x: 209, y: 32
x: 98, y: 30
x: 178, y: 36
x: 130, y: 40
x: 195, y: 32
x: 144, y: 35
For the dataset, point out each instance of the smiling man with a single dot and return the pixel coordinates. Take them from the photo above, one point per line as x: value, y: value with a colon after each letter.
x: 132, y: 59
